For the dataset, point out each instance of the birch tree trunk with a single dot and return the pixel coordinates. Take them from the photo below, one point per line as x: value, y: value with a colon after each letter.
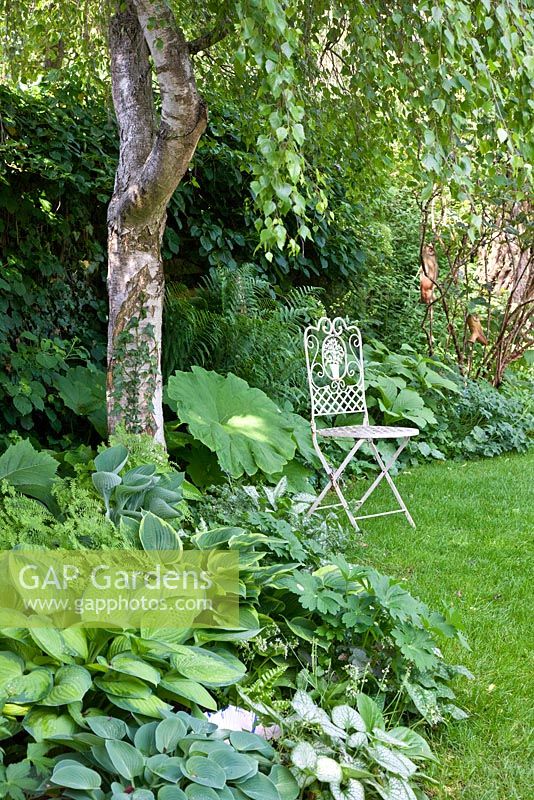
x: 154, y: 155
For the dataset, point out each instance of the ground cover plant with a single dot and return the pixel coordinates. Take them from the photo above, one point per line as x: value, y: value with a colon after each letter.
x: 310, y: 622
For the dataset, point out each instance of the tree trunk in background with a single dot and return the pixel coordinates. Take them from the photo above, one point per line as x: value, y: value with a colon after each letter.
x: 154, y: 156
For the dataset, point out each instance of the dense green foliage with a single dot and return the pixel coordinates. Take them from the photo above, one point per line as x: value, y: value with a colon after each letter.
x: 310, y: 622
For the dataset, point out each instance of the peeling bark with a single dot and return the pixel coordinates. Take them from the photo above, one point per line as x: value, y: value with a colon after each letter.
x: 153, y: 159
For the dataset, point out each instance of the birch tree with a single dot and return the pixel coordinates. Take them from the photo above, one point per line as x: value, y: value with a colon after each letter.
x: 440, y: 92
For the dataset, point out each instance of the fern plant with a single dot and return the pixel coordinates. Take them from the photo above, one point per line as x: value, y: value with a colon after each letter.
x: 235, y: 322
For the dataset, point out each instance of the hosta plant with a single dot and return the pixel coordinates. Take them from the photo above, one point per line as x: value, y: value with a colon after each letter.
x: 351, y: 754
x: 143, y: 488
x: 178, y: 758
x: 51, y: 679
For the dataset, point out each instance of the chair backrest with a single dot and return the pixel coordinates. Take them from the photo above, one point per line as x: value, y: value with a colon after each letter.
x: 334, y: 361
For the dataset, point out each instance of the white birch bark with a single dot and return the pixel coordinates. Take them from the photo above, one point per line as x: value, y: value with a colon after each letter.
x: 154, y: 156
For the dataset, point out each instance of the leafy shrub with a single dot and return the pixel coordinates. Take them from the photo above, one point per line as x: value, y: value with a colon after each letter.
x: 56, y: 175
x: 364, y: 627
x: 488, y: 422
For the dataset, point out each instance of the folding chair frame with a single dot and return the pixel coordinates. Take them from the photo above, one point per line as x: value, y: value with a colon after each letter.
x: 328, y: 367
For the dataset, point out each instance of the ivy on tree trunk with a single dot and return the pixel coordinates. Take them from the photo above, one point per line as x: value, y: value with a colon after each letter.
x: 154, y: 156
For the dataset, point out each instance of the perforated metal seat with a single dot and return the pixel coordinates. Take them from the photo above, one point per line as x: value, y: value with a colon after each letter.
x: 334, y: 359
x: 367, y: 432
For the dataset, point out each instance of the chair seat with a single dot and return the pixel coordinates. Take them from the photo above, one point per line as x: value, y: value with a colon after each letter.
x: 367, y: 432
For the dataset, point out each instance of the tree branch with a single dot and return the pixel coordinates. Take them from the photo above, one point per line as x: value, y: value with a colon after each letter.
x: 183, y: 112
x: 209, y: 38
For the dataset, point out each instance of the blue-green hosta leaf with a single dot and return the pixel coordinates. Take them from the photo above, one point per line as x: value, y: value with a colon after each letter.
x: 205, y: 772
x: 285, y: 782
x: 247, y: 742
x: 171, y: 793
x: 164, y: 766
x: 156, y: 534
x: 128, y: 762
x: 196, y: 792
x: 28, y: 470
x: 145, y: 739
x: 260, y: 787
x: 168, y: 734
x: 235, y: 765
x: 70, y: 685
x: 73, y: 775
x: 108, y: 727
x: 240, y: 424
x: 112, y: 459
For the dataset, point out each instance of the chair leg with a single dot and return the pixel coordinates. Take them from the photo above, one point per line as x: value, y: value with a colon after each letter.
x: 387, y: 476
x: 334, y: 476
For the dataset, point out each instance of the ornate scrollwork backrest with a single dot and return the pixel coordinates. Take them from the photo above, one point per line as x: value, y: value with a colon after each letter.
x: 334, y: 360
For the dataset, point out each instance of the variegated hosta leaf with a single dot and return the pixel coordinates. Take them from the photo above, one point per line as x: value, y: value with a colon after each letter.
x: 353, y: 791
x: 304, y: 756
x: 398, y: 789
x: 392, y: 762
x: 327, y: 770
x: 347, y: 718
x: 357, y: 740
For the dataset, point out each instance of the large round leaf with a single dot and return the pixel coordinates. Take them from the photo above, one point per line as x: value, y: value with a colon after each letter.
x: 238, y: 423
x: 70, y: 685
x: 32, y: 687
x: 42, y: 724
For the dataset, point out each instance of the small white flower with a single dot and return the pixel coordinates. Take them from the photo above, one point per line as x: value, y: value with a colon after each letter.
x: 327, y: 770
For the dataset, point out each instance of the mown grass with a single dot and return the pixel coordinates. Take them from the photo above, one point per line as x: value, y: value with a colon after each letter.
x: 473, y: 548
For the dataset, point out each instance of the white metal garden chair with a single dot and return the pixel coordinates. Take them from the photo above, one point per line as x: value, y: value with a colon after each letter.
x: 334, y: 361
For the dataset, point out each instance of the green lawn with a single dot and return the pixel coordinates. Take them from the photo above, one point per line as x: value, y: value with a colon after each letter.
x: 473, y: 548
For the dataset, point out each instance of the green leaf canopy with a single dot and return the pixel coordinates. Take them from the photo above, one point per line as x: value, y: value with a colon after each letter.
x: 240, y: 424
